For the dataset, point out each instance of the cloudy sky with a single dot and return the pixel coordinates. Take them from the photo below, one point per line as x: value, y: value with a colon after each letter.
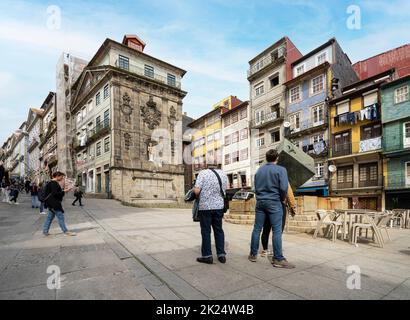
x: 213, y: 40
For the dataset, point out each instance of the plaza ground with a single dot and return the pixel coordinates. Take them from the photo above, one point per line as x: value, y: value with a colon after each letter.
x: 138, y: 253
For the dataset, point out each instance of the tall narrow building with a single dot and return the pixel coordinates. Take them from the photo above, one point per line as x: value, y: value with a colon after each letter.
x: 267, y: 73
x: 127, y: 115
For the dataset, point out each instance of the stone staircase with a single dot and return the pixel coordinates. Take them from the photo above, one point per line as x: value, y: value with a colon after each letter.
x: 241, y: 212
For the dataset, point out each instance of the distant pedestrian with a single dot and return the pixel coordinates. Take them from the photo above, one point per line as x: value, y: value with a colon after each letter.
x: 5, y: 192
x: 211, y: 186
x: 54, y: 197
x: 34, y: 195
x: 78, y: 194
x: 27, y: 186
x: 271, y: 187
x: 14, y: 193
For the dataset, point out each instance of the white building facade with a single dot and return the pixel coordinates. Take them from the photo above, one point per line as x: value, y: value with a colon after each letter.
x: 236, y: 158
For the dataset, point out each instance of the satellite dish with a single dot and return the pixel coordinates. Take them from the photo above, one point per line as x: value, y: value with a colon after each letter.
x: 286, y: 124
x: 332, y: 168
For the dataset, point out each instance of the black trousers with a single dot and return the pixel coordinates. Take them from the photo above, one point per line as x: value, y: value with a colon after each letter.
x: 267, y: 227
x: 77, y: 199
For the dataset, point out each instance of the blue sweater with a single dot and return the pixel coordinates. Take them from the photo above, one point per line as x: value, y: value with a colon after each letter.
x: 271, y: 182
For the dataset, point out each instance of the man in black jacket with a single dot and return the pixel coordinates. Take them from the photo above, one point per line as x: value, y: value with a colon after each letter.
x: 54, y: 198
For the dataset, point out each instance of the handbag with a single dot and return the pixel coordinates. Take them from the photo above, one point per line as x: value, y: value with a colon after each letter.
x: 224, y: 197
x: 195, y: 211
x: 190, y: 196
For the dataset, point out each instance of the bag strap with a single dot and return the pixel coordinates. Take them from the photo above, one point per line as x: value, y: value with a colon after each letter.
x: 220, y: 182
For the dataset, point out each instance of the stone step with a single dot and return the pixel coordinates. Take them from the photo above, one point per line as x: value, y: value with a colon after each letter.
x: 300, y: 229
x: 308, y: 224
x: 238, y: 221
x: 240, y: 217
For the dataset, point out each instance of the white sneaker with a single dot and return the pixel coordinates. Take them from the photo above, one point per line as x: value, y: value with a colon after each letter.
x: 43, y: 213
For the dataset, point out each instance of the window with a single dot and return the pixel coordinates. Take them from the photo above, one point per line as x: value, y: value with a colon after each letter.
x: 106, y: 91
x: 244, y: 134
x: 369, y: 99
x: 342, y: 108
x: 107, y: 144
x: 341, y: 144
x: 235, y: 156
x: 124, y: 62
x: 227, y: 159
x: 227, y: 121
x: 217, y: 135
x: 244, y: 154
x: 97, y: 99
x: 318, y: 115
x: 244, y: 113
x: 275, y: 136
x: 319, y: 169
x: 274, y: 80
x: 98, y: 122
x: 234, y: 117
x: 345, y: 177
x: 210, y: 138
x: 401, y: 94
x: 370, y: 132
x: 227, y: 140
x: 259, y: 90
x: 260, y: 142
x: 260, y: 116
x: 79, y: 118
x: 106, y: 118
x: 149, y: 71
x: 406, y: 134
x: 368, y: 175
x: 300, y: 70
x: 317, y: 138
x: 171, y: 80
x: 294, y: 94
x: 98, y: 149
x: 407, y: 173
x: 317, y: 84
x: 294, y: 120
x: 321, y: 58
x: 84, y: 112
x: 90, y: 105
x: 210, y: 157
x: 235, y: 137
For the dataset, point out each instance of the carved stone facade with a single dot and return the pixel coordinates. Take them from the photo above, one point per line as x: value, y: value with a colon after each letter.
x: 137, y: 157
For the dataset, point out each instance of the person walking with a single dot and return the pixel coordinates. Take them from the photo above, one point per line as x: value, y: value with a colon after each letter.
x: 78, y: 194
x: 27, y: 186
x: 209, y: 187
x: 271, y: 188
x: 54, y: 197
x: 34, y: 195
x: 14, y: 193
x: 289, y: 205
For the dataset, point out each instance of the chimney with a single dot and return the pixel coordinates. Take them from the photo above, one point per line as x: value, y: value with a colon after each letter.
x: 134, y: 42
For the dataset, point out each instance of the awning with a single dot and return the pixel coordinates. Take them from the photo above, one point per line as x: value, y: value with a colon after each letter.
x: 322, y: 189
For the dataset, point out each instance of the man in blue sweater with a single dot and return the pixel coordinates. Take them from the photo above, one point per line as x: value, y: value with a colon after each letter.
x: 271, y: 187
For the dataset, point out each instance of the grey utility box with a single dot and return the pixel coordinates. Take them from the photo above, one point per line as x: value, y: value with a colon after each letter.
x: 300, y: 166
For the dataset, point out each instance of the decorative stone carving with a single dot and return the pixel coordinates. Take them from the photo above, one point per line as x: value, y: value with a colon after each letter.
x: 126, y: 107
x: 150, y: 114
x: 127, y: 141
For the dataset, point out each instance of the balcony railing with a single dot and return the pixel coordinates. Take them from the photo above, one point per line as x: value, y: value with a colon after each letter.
x: 269, y: 118
x: 397, y: 181
x: 317, y: 149
x: 93, y: 134
x: 345, y: 149
x: 149, y: 74
x: 305, y: 125
x: 273, y: 57
x: 356, y: 183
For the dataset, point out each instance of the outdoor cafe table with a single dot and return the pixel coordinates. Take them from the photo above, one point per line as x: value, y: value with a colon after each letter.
x: 353, y: 214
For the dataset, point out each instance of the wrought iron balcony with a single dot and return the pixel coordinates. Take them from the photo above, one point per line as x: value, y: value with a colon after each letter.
x: 363, y: 146
x: 148, y: 74
x: 269, y: 118
x: 397, y: 181
x: 272, y: 58
x: 93, y: 134
x: 356, y: 183
x: 305, y: 126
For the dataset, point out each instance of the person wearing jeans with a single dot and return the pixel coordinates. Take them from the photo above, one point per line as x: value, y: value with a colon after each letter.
x: 211, y: 205
x: 271, y: 188
x: 34, y: 195
x: 54, y: 198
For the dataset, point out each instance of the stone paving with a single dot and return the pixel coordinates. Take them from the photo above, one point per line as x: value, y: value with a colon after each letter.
x: 139, y: 253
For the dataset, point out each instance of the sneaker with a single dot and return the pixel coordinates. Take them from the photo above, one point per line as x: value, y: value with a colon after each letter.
x: 46, y: 234
x: 43, y: 212
x: 69, y: 233
x: 209, y: 260
x: 264, y: 253
x: 73, y: 204
x: 282, y: 264
x: 252, y: 258
x: 222, y: 259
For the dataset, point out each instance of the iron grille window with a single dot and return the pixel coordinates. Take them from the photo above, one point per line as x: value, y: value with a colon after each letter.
x: 98, y: 99
x: 106, y: 91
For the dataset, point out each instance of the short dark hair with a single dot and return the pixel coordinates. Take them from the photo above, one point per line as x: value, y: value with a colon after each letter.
x: 58, y: 174
x: 272, y: 155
